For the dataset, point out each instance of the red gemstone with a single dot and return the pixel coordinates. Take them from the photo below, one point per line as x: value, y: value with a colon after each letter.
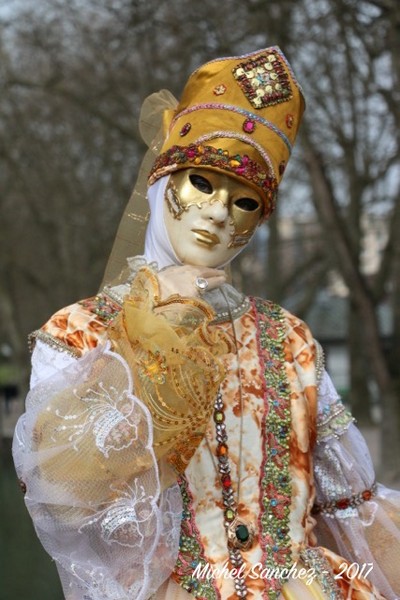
x: 289, y: 121
x: 185, y: 129
x: 226, y: 481
x: 342, y: 504
x: 367, y: 495
x: 249, y: 126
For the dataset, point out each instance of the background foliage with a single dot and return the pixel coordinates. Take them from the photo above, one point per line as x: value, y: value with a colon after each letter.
x: 73, y: 76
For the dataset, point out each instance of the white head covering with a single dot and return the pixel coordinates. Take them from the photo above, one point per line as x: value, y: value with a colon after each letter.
x: 157, y: 247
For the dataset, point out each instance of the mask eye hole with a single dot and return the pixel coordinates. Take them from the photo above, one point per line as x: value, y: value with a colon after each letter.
x: 201, y: 183
x: 248, y: 204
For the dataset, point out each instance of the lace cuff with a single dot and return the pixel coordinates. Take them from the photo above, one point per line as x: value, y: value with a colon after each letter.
x: 84, y: 451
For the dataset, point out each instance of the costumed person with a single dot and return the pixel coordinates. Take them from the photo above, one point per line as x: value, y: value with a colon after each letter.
x: 181, y: 439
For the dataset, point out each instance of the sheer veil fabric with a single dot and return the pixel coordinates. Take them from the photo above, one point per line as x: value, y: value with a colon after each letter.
x: 129, y: 240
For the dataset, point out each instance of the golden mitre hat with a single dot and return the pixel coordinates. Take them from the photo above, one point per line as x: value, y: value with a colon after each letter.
x: 238, y: 115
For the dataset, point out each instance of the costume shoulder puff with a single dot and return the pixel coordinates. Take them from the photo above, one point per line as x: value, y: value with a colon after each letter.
x: 80, y: 327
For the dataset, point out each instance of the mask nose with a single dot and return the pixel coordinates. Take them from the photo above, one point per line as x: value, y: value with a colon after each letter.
x: 218, y: 210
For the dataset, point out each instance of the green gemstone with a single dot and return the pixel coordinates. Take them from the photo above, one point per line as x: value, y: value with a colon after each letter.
x: 242, y: 533
x: 229, y: 514
x: 219, y: 417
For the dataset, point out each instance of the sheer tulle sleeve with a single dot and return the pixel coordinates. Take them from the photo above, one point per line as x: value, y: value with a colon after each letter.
x: 356, y: 517
x: 84, y: 452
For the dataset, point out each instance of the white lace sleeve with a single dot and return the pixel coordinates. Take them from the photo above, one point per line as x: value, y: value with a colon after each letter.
x: 356, y: 517
x: 84, y: 451
x: 46, y: 361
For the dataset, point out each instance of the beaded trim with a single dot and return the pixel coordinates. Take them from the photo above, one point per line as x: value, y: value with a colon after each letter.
x: 223, y: 317
x: 240, y: 111
x: 275, y: 484
x: 241, y: 137
x: 51, y: 341
x: 113, y: 296
x: 319, y: 361
x: 191, y: 552
x: 102, y: 306
x: 332, y: 506
x: 243, y: 166
x: 232, y: 522
x: 333, y: 421
x: 314, y: 559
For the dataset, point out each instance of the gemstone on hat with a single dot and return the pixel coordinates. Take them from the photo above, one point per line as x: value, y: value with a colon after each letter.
x: 185, y: 129
x: 219, y: 89
x: 249, y: 126
x: 289, y: 121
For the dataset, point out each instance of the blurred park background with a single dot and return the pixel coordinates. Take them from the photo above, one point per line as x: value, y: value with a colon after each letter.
x: 73, y: 74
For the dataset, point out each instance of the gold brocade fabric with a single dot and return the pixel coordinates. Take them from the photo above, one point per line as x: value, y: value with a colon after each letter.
x: 173, y: 354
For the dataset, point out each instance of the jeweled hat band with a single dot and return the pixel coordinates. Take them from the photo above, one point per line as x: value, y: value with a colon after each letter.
x: 238, y: 115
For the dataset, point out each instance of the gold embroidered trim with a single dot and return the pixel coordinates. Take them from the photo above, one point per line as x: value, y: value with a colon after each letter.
x: 314, y: 559
x: 51, y: 341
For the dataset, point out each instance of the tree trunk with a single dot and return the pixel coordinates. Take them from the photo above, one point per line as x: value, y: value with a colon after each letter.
x: 336, y: 232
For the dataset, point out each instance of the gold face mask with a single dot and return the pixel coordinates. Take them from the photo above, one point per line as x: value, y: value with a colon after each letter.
x: 195, y: 187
